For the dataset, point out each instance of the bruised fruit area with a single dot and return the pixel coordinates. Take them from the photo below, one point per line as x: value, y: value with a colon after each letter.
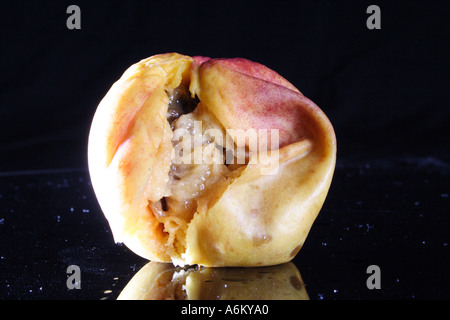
x: 216, y: 162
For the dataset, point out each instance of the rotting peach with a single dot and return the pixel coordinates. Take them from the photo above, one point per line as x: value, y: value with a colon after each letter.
x: 213, y: 211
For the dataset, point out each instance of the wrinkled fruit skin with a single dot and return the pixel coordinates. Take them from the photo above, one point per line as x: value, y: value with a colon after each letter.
x: 251, y: 219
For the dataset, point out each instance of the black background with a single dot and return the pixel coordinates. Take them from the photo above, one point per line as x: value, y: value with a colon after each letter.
x: 385, y: 91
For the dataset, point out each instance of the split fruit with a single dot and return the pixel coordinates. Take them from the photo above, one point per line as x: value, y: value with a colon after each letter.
x: 215, y: 162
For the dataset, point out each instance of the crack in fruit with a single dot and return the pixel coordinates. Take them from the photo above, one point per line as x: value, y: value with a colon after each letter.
x: 189, y: 182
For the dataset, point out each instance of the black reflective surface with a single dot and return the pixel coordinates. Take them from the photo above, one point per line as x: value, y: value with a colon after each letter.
x: 385, y: 91
x: 389, y: 213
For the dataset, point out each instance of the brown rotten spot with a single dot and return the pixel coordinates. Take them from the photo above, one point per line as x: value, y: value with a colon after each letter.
x: 209, y: 213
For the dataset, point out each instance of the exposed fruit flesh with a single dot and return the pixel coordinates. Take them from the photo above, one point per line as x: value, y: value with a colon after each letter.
x: 190, y: 182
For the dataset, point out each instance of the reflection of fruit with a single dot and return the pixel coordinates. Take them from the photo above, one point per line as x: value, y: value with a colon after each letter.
x: 211, y: 214
x: 162, y: 281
